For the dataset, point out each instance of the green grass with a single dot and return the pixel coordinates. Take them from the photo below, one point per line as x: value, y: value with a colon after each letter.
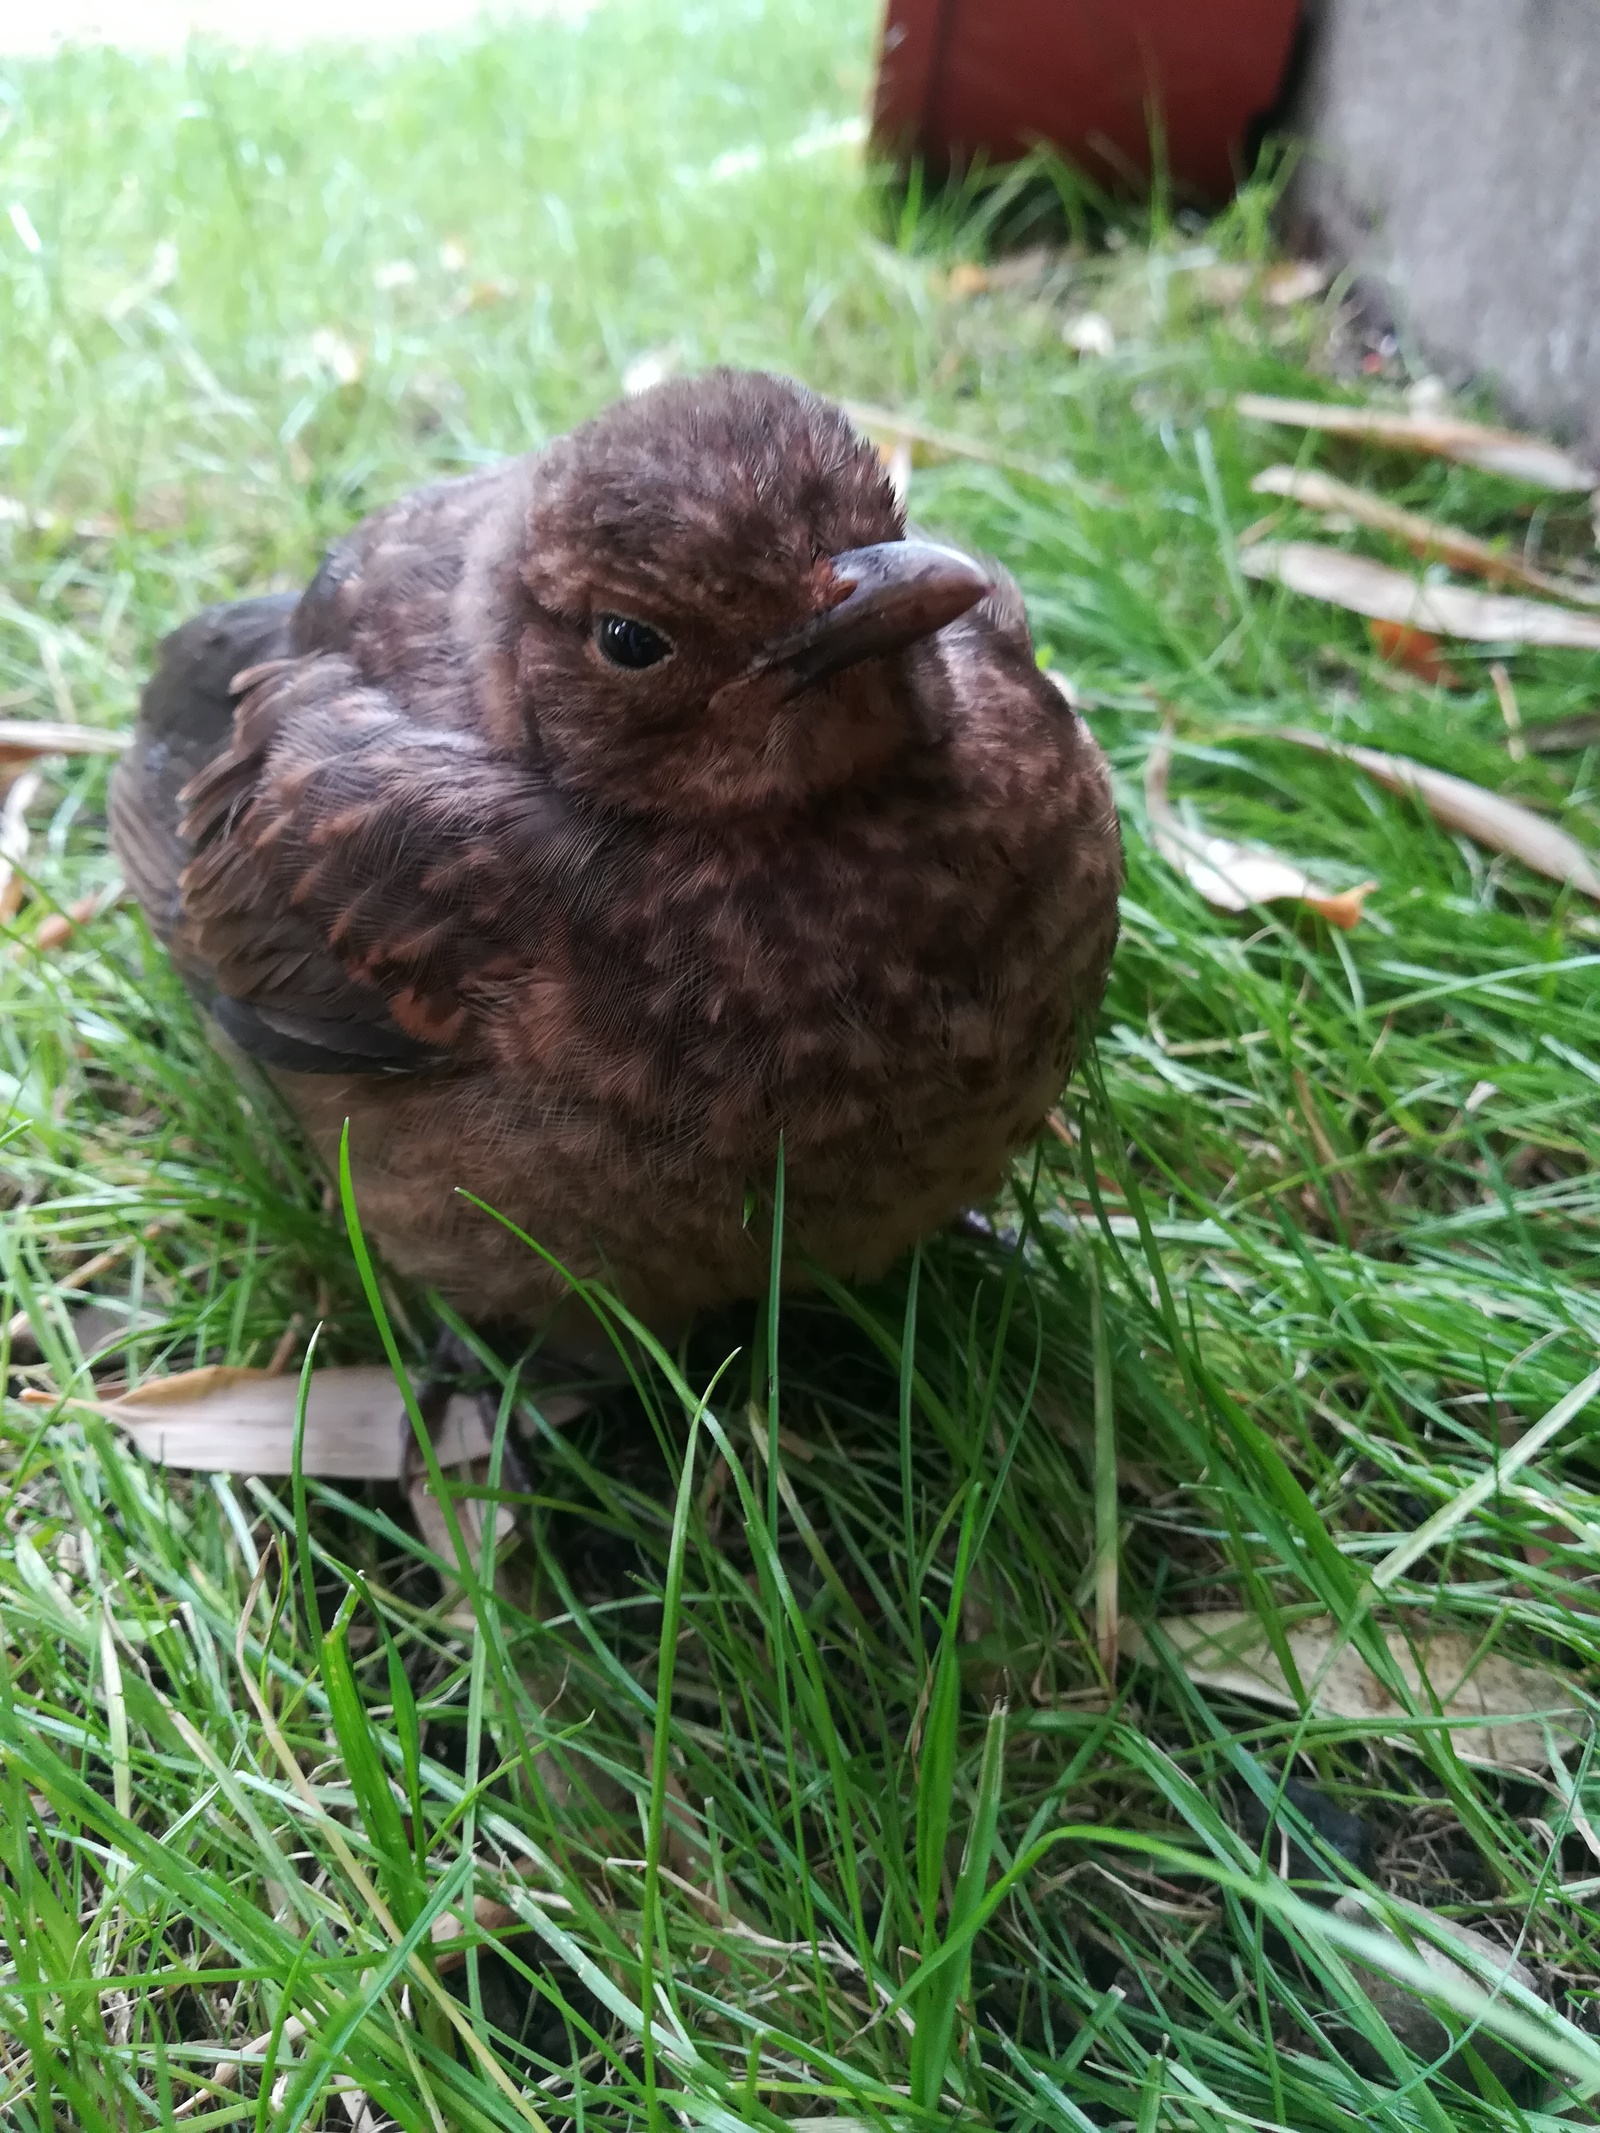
x: 726, y: 1747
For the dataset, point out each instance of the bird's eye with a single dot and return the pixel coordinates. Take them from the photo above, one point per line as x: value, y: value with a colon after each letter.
x: 627, y: 643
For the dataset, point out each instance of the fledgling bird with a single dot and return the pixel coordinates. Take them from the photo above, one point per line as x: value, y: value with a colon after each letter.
x: 594, y: 824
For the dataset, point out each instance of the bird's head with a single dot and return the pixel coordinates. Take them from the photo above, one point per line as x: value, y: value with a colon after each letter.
x: 716, y: 607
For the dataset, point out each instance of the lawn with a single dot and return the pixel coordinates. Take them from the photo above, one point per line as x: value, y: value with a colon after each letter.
x: 789, y: 1769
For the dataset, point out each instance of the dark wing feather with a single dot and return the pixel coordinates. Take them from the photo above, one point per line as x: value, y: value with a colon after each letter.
x: 185, y: 719
x: 319, y: 1044
x: 186, y: 726
x: 356, y: 874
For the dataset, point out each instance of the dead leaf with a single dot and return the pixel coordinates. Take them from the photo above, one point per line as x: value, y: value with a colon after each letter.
x: 465, y: 1456
x: 363, y: 2115
x: 649, y: 370
x: 1225, y: 284
x: 1553, y: 1537
x: 1090, y: 334
x: 1235, y: 877
x: 56, y: 930
x: 1564, y: 736
x: 1295, y: 281
x: 1427, y: 538
x: 14, y: 512
x: 25, y: 740
x: 969, y: 277
x: 495, y: 289
x: 896, y: 459
x: 1508, y: 452
x: 225, y: 1420
x: 1258, y: 529
x: 434, y: 1527
x: 1403, y: 2005
x: 1501, y: 1706
x: 1418, y: 651
x: 966, y: 278
x: 1456, y: 804
x: 1369, y: 588
x: 14, y: 841
x: 337, y: 355
x: 489, y: 1915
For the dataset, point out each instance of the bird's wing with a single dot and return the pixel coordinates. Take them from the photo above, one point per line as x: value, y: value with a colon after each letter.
x: 185, y: 718
x: 357, y: 873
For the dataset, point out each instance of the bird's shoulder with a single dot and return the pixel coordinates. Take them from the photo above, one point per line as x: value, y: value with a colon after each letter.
x: 409, y: 594
x: 356, y: 871
x: 185, y: 719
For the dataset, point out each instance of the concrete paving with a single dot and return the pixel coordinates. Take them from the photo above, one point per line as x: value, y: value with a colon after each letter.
x: 1455, y: 158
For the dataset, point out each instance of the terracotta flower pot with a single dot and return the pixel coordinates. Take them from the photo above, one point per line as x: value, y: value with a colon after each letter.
x: 959, y: 77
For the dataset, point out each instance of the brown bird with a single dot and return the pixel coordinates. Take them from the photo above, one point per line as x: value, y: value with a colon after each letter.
x: 594, y: 825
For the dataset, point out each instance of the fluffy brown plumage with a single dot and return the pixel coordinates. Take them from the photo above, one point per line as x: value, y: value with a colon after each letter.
x: 823, y: 859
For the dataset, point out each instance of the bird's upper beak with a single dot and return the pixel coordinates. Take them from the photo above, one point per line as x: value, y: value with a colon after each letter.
x: 897, y: 592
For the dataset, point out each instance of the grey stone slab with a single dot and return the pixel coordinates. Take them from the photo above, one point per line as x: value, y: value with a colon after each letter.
x: 1453, y: 157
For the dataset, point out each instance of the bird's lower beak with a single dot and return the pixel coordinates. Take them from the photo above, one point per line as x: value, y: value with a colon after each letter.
x: 899, y: 592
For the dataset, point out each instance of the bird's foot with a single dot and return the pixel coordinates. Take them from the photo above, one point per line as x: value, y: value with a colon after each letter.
x: 460, y: 1399
x: 973, y: 1225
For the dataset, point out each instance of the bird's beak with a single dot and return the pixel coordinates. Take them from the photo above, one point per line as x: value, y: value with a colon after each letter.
x: 898, y: 592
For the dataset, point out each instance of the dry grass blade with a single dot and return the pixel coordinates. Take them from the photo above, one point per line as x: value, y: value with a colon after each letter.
x: 1368, y: 588
x: 1508, y: 452
x: 222, y: 1420
x: 14, y: 841
x: 1235, y: 877
x: 1450, y: 1515
x: 1501, y: 1707
x: 420, y: 1975
x: 80, y: 1277
x: 886, y: 428
x: 25, y: 740
x: 1510, y: 710
x: 1487, y: 817
x: 226, y: 2071
x: 1107, y: 1517
x: 1425, y: 537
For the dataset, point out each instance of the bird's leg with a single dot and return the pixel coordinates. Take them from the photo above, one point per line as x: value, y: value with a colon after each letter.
x: 973, y: 1226
x: 461, y: 1421
x: 462, y: 1418
x: 452, y: 1366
